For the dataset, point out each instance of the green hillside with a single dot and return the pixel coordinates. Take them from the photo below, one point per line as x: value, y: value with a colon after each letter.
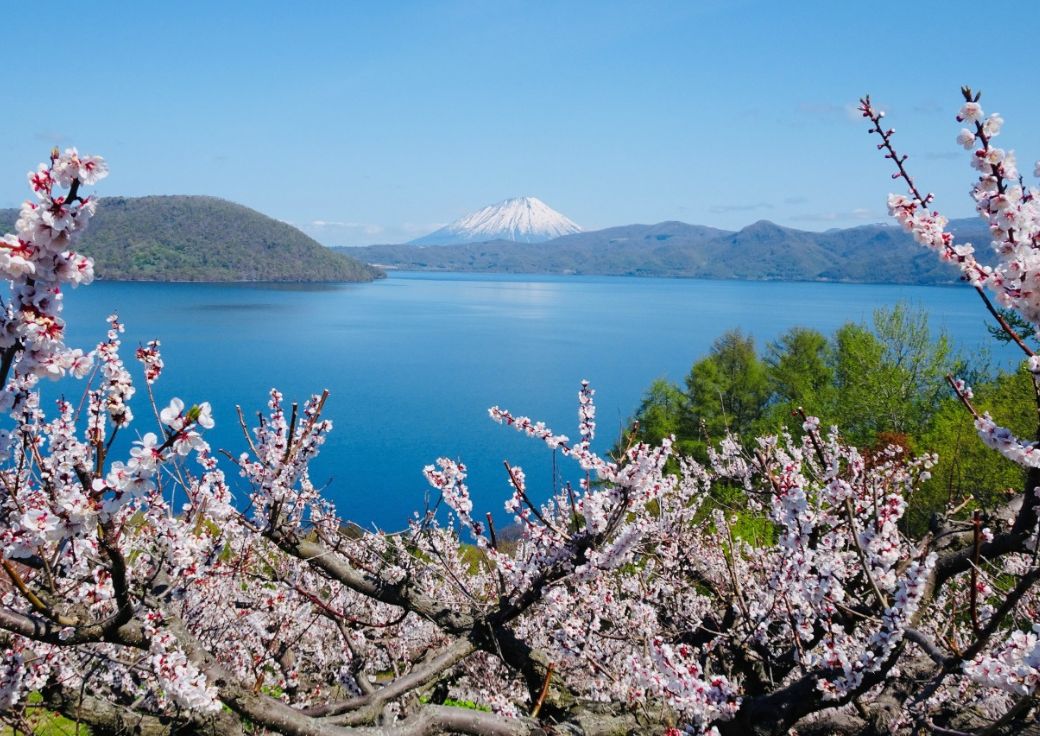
x: 192, y: 238
x: 760, y: 251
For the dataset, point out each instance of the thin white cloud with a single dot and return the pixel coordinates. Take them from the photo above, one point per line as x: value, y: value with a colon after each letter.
x: 421, y: 229
x: 50, y: 136
x: 367, y: 228
x: 350, y: 232
x: 719, y: 209
x: 858, y: 213
x: 830, y: 110
x: 929, y: 107
x: 942, y: 155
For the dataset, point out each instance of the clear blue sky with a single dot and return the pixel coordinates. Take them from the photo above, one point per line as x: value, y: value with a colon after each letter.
x: 391, y: 118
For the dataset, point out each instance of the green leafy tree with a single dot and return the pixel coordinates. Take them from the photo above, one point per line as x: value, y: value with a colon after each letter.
x: 726, y: 391
x: 890, y: 379
x: 880, y: 384
x: 800, y: 372
x: 660, y: 415
x: 968, y: 473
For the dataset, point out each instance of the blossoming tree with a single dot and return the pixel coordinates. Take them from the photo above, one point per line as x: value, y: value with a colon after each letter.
x: 633, y: 600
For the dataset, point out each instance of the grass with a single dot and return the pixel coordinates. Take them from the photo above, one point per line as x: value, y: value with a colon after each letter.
x: 44, y: 722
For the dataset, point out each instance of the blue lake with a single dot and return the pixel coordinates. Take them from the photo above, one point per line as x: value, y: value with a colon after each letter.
x: 414, y: 361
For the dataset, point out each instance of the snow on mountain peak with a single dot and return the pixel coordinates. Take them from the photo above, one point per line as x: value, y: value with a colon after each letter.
x: 523, y: 219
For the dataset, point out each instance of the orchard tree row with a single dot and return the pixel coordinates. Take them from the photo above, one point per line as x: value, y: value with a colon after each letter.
x: 153, y: 592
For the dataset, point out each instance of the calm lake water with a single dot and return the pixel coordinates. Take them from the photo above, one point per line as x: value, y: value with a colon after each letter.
x: 414, y: 361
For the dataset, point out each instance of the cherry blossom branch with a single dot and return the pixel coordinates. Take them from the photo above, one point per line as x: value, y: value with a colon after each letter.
x: 944, y: 239
x: 543, y: 693
x: 367, y: 707
x: 850, y: 516
x: 522, y: 494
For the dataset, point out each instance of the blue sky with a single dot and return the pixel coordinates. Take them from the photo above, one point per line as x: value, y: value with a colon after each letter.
x: 386, y: 120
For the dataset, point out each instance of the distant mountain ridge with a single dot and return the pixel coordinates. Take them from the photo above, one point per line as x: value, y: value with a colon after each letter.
x: 196, y: 238
x: 761, y: 251
x: 521, y: 219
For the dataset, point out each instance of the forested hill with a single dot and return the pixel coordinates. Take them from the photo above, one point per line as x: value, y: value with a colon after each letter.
x: 761, y: 251
x: 194, y: 238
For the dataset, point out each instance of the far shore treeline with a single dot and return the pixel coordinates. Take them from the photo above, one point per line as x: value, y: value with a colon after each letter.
x: 762, y: 251
x: 199, y: 238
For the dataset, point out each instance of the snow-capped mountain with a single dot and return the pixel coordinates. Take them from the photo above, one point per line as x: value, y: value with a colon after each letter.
x: 523, y: 219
